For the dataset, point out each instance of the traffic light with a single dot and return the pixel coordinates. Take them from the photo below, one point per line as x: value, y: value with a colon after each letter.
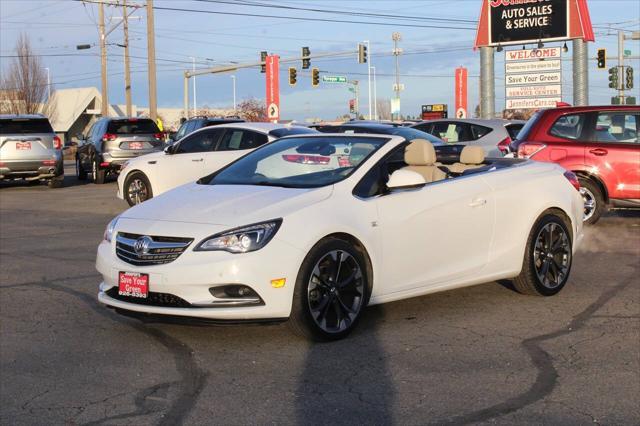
x: 306, y: 62
x: 602, y: 59
x: 362, y: 53
x: 629, y: 78
x: 352, y: 106
x: 263, y: 59
x: 613, y: 77
x: 315, y: 77
x: 293, y: 76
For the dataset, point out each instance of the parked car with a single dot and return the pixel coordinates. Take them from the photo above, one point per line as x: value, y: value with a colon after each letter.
x: 247, y: 243
x: 198, y: 154
x: 195, y: 123
x: 494, y: 136
x: 444, y: 151
x: 111, y: 142
x: 30, y: 150
x: 598, y: 143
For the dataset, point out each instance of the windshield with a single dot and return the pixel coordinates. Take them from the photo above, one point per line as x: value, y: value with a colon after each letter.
x: 523, y: 134
x: 296, y: 162
x: 132, y: 126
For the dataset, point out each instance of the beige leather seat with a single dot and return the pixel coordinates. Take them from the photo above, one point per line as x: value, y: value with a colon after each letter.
x: 471, y: 157
x: 421, y: 158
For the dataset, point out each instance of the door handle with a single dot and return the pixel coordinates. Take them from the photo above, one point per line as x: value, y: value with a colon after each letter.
x: 198, y: 159
x: 598, y: 151
x: 478, y: 202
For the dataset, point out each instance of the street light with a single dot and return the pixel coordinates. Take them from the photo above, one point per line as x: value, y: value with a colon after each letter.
x: 233, y: 78
x: 375, y: 94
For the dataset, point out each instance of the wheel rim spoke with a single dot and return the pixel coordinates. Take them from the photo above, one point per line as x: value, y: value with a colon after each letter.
x: 551, y: 255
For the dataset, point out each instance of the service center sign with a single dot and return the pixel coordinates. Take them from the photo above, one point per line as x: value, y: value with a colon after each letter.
x: 527, y: 21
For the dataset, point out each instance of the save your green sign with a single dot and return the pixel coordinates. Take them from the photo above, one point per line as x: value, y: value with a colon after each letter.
x: 334, y: 79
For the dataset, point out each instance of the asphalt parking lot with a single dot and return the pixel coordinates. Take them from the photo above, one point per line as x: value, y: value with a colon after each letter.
x: 484, y: 354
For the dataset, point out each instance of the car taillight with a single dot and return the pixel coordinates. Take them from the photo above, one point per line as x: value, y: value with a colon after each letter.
x: 344, y: 161
x: 109, y: 137
x: 158, y: 135
x: 503, y: 145
x: 306, y: 159
x: 528, y: 149
x: 57, y: 143
x: 573, y: 179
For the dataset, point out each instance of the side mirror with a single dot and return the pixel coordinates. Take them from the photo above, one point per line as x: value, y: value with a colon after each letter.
x: 169, y: 149
x: 405, y: 179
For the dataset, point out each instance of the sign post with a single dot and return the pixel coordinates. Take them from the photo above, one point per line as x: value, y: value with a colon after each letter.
x: 461, y: 93
x: 273, y: 88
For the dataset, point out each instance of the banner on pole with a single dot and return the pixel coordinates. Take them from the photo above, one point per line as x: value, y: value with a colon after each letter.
x: 273, y: 87
x: 461, y: 93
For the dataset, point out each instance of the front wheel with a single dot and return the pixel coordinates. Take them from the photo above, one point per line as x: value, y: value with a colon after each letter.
x: 331, y: 291
x: 137, y: 188
x: 81, y: 173
x: 547, y: 258
x: 99, y: 175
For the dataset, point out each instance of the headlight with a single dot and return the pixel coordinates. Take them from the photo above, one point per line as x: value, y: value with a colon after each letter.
x: 108, y: 233
x: 241, y: 240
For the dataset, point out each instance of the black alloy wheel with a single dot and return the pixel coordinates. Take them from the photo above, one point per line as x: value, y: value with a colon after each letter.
x: 331, y: 291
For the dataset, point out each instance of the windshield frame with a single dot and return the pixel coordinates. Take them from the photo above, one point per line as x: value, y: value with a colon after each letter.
x: 385, y: 139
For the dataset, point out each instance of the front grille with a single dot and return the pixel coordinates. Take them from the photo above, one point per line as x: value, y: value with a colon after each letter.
x: 160, y: 250
x: 165, y: 300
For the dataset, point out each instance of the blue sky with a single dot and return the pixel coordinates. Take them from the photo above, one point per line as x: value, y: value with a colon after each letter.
x: 55, y: 27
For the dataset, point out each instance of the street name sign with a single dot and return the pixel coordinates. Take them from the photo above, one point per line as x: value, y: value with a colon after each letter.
x: 334, y: 79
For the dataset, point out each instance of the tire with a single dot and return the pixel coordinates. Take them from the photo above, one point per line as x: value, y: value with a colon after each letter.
x: 325, y: 308
x: 137, y: 188
x: 594, y: 204
x: 81, y: 173
x: 56, y: 182
x: 99, y: 175
x: 544, y: 272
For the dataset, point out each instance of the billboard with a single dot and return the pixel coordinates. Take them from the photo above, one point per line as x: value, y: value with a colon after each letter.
x: 508, y: 22
x: 434, y: 111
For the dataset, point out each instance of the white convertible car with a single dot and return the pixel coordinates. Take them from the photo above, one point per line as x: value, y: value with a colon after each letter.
x: 197, y: 154
x: 386, y: 222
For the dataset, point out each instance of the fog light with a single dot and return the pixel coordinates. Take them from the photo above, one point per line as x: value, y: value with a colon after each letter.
x: 278, y: 283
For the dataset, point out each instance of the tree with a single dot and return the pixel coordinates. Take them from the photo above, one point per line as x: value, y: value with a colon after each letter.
x: 252, y: 110
x: 24, y: 84
x: 384, y: 109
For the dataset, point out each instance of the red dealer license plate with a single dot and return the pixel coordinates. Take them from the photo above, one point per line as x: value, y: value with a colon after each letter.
x: 133, y: 284
x: 135, y: 145
x: 23, y: 145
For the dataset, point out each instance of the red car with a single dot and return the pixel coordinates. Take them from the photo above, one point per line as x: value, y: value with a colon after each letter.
x: 598, y: 143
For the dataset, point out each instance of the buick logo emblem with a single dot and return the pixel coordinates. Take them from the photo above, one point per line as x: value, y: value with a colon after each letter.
x: 142, y: 244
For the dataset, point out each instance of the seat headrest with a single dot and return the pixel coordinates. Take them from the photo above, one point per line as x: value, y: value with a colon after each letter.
x: 472, y: 155
x: 420, y: 152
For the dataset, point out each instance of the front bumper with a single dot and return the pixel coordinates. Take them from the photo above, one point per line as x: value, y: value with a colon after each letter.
x: 191, y: 275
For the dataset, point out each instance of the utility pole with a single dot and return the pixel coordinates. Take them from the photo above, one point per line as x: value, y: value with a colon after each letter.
x: 233, y: 78
x: 369, y: 74
x: 193, y: 67
x: 151, y: 48
x: 104, y: 109
x: 580, y: 72
x: 375, y: 94
x: 621, y: 67
x: 396, y: 37
x: 127, y: 70
x: 487, y: 83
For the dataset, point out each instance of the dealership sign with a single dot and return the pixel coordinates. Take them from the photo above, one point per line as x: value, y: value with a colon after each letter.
x: 537, y: 66
x: 535, y: 91
x: 533, y: 78
x: 506, y: 22
x: 533, y: 103
x: 461, y: 93
x: 273, y: 87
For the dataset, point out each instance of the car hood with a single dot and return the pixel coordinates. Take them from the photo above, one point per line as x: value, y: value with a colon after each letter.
x: 229, y: 205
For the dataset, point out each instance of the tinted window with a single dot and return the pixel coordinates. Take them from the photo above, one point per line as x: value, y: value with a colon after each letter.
x: 568, y: 126
x: 182, y: 131
x: 478, y: 131
x: 523, y: 134
x: 616, y: 127
x: 203, y: 141
x: 286, y: 131
x: 452, y: 132
x: 24, y: 125
x: 132, y: 126
x: 513, y: 130
x: 237, y: 139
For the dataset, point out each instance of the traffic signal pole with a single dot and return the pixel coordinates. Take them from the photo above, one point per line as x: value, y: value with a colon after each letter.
x: 621, y: 67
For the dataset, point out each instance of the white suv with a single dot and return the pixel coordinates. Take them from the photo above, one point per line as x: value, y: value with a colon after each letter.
x: 196, y: 155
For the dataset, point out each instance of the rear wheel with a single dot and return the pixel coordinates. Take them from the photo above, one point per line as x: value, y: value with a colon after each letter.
x: 81, y: 173
x: 593, y: 200
x: 56, y: 182
x: 137, y: 188
x: 99, y: 175
x: 547, y: 259
x: 331, y: 291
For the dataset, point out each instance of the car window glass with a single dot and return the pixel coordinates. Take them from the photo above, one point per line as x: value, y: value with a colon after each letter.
x: 24, y: 126
x: 132, y: 126
x: 478, y: 131
x: 236, y: 139
x: 450, y: 132
x: 616, y: 127
x: 568, y: 126
x: 198, y: 142
x: 182, y: 130
x: 513, y: 130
